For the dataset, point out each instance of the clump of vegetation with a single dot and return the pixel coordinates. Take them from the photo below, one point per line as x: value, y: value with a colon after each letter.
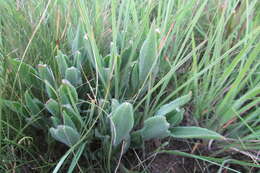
x: 87, y: 83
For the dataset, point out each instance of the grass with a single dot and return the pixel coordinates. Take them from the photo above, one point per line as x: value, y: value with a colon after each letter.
x: 147, y: 53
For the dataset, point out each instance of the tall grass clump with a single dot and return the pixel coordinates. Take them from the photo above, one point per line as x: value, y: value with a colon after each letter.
x: 86, y: 85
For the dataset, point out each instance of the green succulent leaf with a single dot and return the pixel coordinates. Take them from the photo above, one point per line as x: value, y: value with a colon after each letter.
x: 74, y: 76
x: 147, y: 57
x: 76, y: 38
x: 62, y: 60
x: 53, y: 107
x: 31, y: 104
x: 67, y: 120
x: 74, y: 115
x: 55, y: 121
x: 155, y: 127
x: 175, y: 117
x: 46, y: 74
x: 136, y: 139
x: 173, y: 105
x: 134, y: 76
x: 50, y: 90
x: 126, y: 54
x: 122, y: 122
x: 194, y: 132
x: 65, y: 134
x: 68, y: 93
x: 78, y: 60
x: 114, y: 104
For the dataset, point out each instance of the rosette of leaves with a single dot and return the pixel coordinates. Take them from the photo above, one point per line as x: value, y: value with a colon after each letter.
x: 163, y: 124
x: 65, y: 121
x: 66, y: 124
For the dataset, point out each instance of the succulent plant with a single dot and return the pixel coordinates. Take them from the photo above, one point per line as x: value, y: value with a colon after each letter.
x: 122, y: 122
x: 67, y: 119
x: 65, y: 134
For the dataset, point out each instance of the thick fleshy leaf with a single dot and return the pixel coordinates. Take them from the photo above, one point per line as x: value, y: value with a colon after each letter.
x: 74, y: 115
x: 79, y: 60
x: 114, y: 104
x: 194, y: 132
x: 74, y: 76
x: 155, y: 127
x: 46, y: 74
x: 122, y: 122
x: 175, y: 117
x: 47, y: 77
x: 67, y: 120
x: 147, y: 56
x: 76, y: 38
x: 67, y: 92
x: 65, y: 134
x: 62, y: 63
x: 50, y: 90
x: 126, y: 53
x: 31, y: 104
x: 167, y: 108
x: 55, y: 121
x: 134, y: 76
x: 136, y: 139
x: 53, y: 107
